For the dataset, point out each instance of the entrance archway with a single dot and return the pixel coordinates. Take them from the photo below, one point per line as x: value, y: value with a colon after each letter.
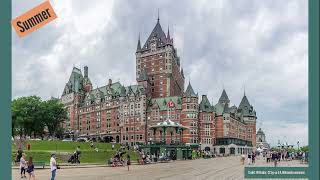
x: 232, y: 150
x: 107, y: 139
x: 207, y: 148
x: 117, y: 139
x: 222, y: 150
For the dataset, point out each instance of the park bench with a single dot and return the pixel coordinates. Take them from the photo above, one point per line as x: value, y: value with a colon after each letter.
x: 39, y: 164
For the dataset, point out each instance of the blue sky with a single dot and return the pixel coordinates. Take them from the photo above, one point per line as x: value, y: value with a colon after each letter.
x: 261, y: 46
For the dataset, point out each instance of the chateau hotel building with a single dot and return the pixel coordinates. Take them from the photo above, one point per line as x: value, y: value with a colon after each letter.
x: 123, y: 114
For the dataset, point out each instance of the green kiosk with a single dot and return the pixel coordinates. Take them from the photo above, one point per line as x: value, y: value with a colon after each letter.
x: 175, y: 149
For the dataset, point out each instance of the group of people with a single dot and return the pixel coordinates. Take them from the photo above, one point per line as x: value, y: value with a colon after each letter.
x: 144, y: 158
x: 29, y: 167
x: 26, y: 166
x: 251, y: 158
x: 118, y: 160
x: 276, y: 156
x: 196, y: 154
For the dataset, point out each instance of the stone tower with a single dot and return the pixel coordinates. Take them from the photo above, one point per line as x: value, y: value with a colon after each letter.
x: 158, y: 65
x: 189, y: 115
x: 248, y: 115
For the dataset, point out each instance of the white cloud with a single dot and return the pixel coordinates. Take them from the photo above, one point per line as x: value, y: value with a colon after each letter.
x: 260, y: 45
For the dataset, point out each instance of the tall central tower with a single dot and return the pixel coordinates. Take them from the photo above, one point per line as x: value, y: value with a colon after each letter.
x: 158, y: 65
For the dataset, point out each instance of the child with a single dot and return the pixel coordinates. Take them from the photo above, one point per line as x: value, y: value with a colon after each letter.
x: 30, y: 169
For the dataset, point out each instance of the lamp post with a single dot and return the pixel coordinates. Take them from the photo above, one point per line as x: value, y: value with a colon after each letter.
x: 298, y: 143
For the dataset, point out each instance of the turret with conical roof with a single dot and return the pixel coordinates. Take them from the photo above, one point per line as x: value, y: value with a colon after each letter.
x: 245, y: 108
x: 224, y: 99
x: 205, y: 104
x: 190, y: 92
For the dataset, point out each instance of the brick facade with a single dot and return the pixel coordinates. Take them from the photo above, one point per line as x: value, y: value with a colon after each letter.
x: 124, y: 113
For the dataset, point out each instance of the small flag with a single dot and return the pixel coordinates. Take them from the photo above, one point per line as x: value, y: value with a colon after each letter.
x: 170, y: 104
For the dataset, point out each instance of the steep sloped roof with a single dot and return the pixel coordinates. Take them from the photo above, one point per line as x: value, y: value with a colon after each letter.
x: 190, y: 92
x: 75, y: 81
x: 224, y: 97
x: 116, y: 89
x: 205, y: 104
x: 245, y: 108
x: 244, y: 102
x: 158, y: 35
x: 163, y: 102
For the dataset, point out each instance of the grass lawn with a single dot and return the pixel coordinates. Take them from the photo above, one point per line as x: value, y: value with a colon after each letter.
x: 41, y: 151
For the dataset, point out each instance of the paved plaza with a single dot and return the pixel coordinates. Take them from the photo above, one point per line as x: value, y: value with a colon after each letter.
x: 225, y: 168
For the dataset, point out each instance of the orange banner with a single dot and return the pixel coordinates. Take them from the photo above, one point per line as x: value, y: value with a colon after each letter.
x: 34, y: 19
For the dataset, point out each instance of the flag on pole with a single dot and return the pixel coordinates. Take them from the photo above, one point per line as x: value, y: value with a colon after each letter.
x: 171, y: 104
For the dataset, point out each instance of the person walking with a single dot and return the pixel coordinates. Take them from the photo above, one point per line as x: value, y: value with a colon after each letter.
x: 276, y: 159
x: 253, y: 158
x: 268, y: 157
x: 249, y: 158
x: 243, y: 157
x: 128, y: 161
x: 53, y: 166
x: 30, y: 169
x: 23, y: 165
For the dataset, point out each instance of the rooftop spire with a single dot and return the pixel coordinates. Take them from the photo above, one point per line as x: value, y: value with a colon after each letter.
x: 168, y: 36
x: 158, y: 16
x: 139, y: 45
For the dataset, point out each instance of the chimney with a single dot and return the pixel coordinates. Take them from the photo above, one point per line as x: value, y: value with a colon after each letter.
x: 86, y: 71
x: 110, y: 82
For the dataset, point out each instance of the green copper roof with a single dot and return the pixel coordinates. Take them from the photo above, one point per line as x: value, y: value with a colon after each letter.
x: 189, y: 92
x: 205, y: 104
x: 244, y: 102
x: 162, y: 103
x: 123, y: 91
x: 115, y: 90
x: 226, y: 108
x: 260, y: 132
x: 167, y: 124
x: 224, y: 97
x: 75, y: 82
x: 219, y: 108
x: 245, y: 108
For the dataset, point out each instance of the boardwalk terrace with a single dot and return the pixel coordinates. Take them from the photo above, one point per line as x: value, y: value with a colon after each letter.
x: 124, y: 114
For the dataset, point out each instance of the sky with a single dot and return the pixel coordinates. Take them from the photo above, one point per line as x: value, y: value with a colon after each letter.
x: 260, y: 47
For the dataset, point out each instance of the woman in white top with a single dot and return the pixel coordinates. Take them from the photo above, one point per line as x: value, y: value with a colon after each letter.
x: 23, y: 165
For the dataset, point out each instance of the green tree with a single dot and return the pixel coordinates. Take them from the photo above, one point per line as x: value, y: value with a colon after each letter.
x: 54, y: 114
x: 304, y: 148
x: 26, y: 116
